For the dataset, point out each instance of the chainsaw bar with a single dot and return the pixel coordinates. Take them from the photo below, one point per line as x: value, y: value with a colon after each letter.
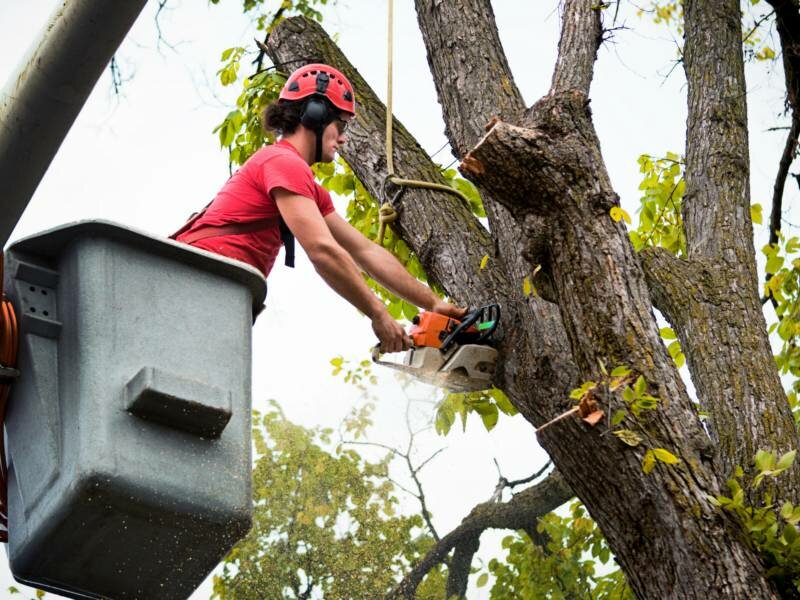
x: 455, y: 382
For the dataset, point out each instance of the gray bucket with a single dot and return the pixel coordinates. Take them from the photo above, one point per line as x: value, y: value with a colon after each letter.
x: 128, y: 430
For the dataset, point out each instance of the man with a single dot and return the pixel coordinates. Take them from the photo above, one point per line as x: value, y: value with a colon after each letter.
x: 273, y: 197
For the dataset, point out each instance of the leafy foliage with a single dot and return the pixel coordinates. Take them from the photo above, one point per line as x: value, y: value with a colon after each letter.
x: 660, y: 222
x: 488, y: 404
x: 756, y: 16
x: 771, y: 526
x: 783, y: 290
x: 324, y: 521
x: 269, y: 19
x: 561, y: 562
x: 630, y: 390
x: 673, y: 346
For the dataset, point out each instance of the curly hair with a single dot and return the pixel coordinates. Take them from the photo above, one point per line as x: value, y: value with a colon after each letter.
x: 282, y: 117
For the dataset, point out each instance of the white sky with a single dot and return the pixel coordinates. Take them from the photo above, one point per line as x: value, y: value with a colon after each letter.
x: 149, y: 159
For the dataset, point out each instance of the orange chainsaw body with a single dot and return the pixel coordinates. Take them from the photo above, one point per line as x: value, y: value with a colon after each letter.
x: 430, y: 329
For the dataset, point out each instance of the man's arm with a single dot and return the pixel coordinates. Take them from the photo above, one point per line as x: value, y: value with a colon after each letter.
x: 336, y: 266
x: 386, y: 269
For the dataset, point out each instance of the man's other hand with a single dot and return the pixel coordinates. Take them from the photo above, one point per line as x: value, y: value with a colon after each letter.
x: 449, y: 310
x: 391, y: 334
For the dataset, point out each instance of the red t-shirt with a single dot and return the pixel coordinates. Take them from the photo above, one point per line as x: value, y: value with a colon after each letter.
x: 247, y: 196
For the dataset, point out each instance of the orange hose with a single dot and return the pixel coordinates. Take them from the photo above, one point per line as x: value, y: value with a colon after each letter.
x: 9, y: 343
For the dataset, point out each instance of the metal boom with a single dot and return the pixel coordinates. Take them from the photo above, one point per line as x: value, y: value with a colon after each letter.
x: 42, y: 99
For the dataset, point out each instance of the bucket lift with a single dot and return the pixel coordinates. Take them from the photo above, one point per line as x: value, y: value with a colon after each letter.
x: 128, y: 429
x: 128, y: 426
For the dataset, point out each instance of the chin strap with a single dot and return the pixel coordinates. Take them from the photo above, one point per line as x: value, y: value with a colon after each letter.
x: 318, y: 155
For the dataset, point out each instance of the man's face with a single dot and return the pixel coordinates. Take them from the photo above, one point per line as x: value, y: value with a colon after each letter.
x: 334, y: 136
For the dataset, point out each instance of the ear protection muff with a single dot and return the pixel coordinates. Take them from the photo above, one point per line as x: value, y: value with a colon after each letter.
x: 316, y: 116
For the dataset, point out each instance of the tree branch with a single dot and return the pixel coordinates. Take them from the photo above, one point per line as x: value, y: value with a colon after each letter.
x: 463, y: 48
x: 581, y: 34
x: 519, y: 512
x: 446, y: 237
x: 717, y: 201
x: 789, y: 153
x: 725, y: 342
x: 413, y: 472
x: 459, y: 568
x: 787, y: 17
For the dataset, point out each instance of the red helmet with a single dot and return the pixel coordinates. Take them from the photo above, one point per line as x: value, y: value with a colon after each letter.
x: 322, y: 80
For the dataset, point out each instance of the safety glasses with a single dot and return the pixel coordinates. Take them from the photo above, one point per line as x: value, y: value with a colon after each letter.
x: 341, y: 125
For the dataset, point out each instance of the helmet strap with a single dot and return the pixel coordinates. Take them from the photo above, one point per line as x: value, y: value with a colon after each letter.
x: 318, y: 154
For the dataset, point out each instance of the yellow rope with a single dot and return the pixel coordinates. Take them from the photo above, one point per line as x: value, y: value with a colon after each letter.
x: 390, y: 40
x: 387, y: 213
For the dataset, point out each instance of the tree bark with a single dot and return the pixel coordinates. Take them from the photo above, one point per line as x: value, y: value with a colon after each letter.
x: 723, y: 333
x: 545, y: 182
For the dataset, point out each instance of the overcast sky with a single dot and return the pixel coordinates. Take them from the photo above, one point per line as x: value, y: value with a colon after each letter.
x: 148, y: 158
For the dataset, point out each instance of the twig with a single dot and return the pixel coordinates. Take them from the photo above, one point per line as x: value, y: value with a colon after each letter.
x: 162, y: 4
x: 757, y: 25
x: 789, y: 153
x: 515, y: 483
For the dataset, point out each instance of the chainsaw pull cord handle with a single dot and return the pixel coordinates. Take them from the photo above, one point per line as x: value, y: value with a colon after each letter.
x: 470, y: 320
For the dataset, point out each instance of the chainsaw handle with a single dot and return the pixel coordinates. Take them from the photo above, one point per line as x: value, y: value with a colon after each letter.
x: 492, y: 310
x: 376, y: 352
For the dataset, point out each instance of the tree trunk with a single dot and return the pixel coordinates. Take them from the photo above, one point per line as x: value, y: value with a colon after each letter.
x: 548, y: 196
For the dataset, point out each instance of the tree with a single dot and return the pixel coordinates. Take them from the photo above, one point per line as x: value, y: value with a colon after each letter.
x: 654, y: 486
x: 325, y: 522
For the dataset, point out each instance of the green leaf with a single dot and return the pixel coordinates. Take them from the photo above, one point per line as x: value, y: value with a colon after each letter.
x: 667, y: 333
x: 444, y: 421
x: 648, y: 462
x: 618, y: 417
x: 789, y: 534
x: 620, y: 371
x: 774, y: 263
x: 764, y: 460
x: 618, y: 214
x: 527, y: 286
x: 641, y: 385
x: 483, y: 578
x: 786, y: 460
x: 755, y: 214
x: 489, y: 417
x: 502, y: 401
x: 580, y: 392
x: 766, y: 53
x: 628, y: 395
x: 666, y: 456
x: 631, y: 438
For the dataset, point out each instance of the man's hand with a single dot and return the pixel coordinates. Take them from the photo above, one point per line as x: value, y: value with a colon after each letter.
x: 391, y: 334
x: 449, y: 310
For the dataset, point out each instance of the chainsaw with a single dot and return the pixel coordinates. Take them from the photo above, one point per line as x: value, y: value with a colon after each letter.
x: 450, y: 353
